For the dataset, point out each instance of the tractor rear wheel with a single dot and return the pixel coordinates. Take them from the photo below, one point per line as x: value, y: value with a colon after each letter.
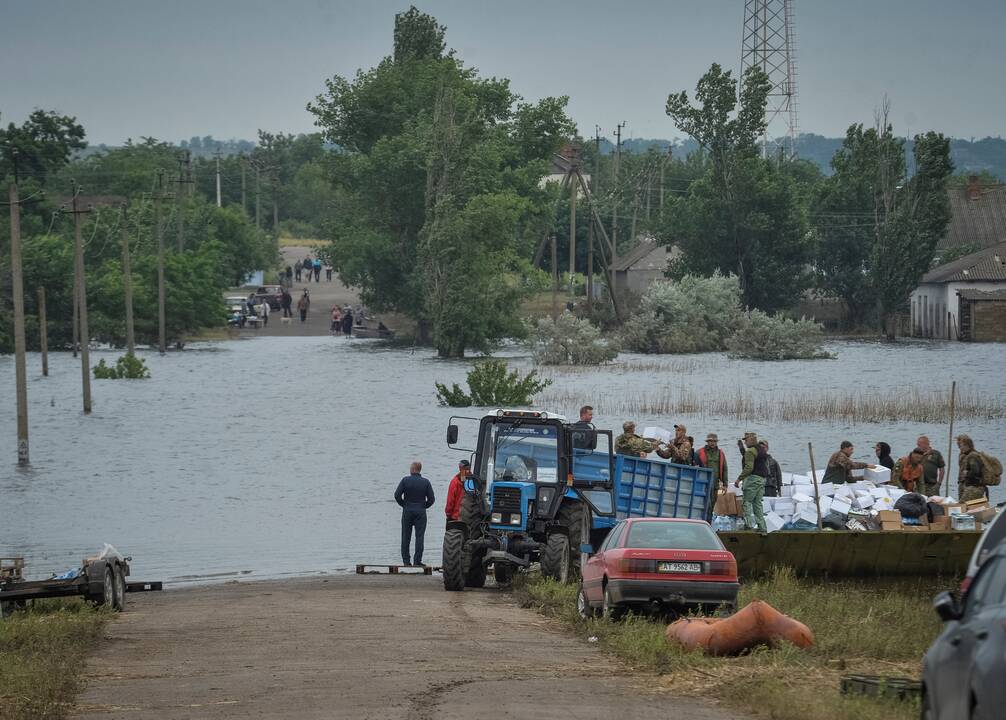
x: 453, y: 560
x: 119, y: 589
x: 575, y: 517
x: 476, y: 576
x: 555, y: 558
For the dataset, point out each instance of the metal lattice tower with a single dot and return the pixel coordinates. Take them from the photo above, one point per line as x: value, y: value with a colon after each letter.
x: 768, y: 43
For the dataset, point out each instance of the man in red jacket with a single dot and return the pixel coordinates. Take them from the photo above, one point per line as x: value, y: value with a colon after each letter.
x: 456, y: 491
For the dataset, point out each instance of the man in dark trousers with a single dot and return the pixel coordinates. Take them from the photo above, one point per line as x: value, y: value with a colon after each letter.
x: 415, y: 495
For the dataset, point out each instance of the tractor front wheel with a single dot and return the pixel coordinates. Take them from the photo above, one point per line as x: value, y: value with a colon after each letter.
x: 454, y: 560
x: 555, y: 558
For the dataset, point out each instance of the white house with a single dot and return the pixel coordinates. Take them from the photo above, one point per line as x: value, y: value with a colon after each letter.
x: 963, y: 299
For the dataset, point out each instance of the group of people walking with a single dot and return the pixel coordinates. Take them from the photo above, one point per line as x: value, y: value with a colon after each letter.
x: 303, y: 270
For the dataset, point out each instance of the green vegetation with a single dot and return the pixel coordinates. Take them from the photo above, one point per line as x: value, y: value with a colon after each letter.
x: 703, y: 314
x: 876, y: 628
x: 491, y: 384
x: 437, y: 190
x: 569, y: 340
x: 127, y: 367
x: 42, y: 654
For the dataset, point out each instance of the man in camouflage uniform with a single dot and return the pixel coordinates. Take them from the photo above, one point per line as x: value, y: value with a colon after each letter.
x: 679, y: 450
x: 969, y: 474
x: 628, y: 443
x: 751, y: 481
x: 841, y: 465
x: 933, y: 466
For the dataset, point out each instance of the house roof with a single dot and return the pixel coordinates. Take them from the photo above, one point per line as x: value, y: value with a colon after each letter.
x: 638, y: 253
x: 995, y: 295
x: 980, y: 222
x: 984, y: 265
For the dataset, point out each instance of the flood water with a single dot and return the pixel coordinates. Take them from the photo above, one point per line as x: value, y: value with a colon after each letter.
x: 269, y: 457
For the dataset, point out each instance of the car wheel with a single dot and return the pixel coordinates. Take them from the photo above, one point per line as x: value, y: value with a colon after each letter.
x: 583, y: 608
x: 609, y: 609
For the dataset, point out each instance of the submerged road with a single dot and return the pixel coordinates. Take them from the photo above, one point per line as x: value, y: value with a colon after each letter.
x: 380, y: 647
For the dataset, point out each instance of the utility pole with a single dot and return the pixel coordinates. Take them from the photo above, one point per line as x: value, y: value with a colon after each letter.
x: 43, y: 330
x: 219, y: 202
x: 17, y: 288
x: 258, y: 199
x: 158, y: 196
x: 663, y: 166
x: 127, y: 284
x: 590, y: 228
x: 184, y: 169
x: 614, y: 209
x: 75, y: 338
x: 275, y: 207
x: 555, y: 280
x: 244, y: 204
x: 81, y: 286
x: 574, y: 188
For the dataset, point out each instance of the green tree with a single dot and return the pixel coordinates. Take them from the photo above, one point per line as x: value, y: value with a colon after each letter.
x: 745, y: 215
x: 41, y: 145
x: 436, y: 190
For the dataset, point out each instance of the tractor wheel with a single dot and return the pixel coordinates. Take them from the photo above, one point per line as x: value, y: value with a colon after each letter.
x: 575, y: 517
x: 106, y: 597
x: 476, y: 576
x: 119, y: 589
x: 471, y: 511
x: 502, y: 574
x: 453, y: 560
x: 555, y: 558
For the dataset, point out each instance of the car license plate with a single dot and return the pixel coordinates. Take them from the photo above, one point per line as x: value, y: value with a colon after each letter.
x: 679, y: 567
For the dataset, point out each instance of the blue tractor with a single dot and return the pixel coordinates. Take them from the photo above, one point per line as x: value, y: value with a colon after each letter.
x: 540, y: 489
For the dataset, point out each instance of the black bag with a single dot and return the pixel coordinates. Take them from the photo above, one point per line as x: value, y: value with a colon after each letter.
x: 911, y: 505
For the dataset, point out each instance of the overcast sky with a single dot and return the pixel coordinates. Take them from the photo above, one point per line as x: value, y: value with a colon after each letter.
x: 173, y: 69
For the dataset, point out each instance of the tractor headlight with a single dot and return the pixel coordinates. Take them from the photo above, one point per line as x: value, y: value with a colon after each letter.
x: 497, y: 518
x: 515, y: 519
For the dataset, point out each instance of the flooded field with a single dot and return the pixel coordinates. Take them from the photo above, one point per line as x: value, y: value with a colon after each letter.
x: 278, y: 456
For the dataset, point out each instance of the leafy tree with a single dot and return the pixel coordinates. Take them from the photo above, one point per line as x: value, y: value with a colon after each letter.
x: 744, y: 216
x: 492, y: 384
x: 42, y: 144
x: 437, y: 188
x: 569, y: 340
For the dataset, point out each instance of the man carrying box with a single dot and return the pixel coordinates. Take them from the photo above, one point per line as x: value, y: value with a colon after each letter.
x: 841, y: 465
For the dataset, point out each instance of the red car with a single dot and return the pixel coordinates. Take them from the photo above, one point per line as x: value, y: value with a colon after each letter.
x: 668, y: 565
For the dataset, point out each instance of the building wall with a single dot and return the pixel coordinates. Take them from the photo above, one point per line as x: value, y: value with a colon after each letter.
x: 934, y: 307
x: 990, y: 321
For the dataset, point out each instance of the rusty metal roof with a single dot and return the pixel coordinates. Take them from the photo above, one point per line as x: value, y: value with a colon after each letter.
x: 980, y: 222
x: 985, y: 265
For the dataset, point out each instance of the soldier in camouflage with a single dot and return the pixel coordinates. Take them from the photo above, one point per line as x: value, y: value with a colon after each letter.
x: 969, y: 475
x: 628, y: 443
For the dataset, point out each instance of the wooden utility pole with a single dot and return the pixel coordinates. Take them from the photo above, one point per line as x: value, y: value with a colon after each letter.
x: 950, y: 448
x: 258, y: 199
x: 219, y: 201
x: 127, y: 284
x: 590, y: 227
x: 275, y: 206
x: 184, y: 179
x: 75, y: 331
x: 574, y: 188
x: 17, y: 288
x: 607, y: 241
x: 614, y: 210
x: 159, y: 224
x: 244, y: 203
x: 43, y: 332
x: 81, y: 284
x: 555, y: 280
x: 663, y: 166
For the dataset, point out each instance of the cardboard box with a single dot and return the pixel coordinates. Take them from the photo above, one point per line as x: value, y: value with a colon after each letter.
x: 726, y: 504
x: 826, y: 489
x: 889, y: 516
x: 983, y: 515
x: 773, y: 522
x: 889, y: 525
x: 787, y: 491
x: 940, y: 523
x: 800, y: 497
x: 808, y: 515
x: 841, y: 506
x: 864, y: 502
x: 971, y: 505
x: 915, y: 528
x: 878, y: 475
x: 953, y: 508
x: 884, y: 503
x: 784, y: 506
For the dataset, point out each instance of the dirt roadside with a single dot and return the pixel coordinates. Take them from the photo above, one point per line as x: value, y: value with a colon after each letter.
x: 380, y: 647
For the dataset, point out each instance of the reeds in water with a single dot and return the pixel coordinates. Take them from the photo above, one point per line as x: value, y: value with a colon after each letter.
x: 908, y: 404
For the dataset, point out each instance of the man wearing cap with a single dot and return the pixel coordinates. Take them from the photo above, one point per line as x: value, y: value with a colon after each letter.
x: 628, y: 443
x: 840, y: 465
x: 456, y: 491
x: 715, y: 459
x: 680, y: 449
x: 751, y: 481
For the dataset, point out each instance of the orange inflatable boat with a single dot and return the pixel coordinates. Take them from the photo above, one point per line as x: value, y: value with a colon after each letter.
x: 757, y: 624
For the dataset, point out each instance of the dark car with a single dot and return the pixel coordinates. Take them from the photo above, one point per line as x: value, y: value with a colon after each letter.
x: 963, y: 670
x: 667, y: 565
x: 273, y: 294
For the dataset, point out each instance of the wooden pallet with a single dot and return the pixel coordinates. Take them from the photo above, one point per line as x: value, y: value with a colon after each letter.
x: 396, y: 569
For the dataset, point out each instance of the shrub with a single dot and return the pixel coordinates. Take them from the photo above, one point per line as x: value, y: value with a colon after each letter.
x: 490, y: 384
x: 764, y: 337
x: 694, y: 314
x: 569, y: 340
x: 127, y: 367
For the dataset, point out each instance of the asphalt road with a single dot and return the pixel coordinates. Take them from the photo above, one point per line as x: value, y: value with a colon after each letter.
x: 380, y: 647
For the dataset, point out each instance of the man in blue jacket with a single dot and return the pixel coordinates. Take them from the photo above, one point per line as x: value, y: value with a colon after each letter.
x: 415, y: 495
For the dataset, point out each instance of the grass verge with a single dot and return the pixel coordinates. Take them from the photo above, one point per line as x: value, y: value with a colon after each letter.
x: 42, y: 654
x: 860, y: 627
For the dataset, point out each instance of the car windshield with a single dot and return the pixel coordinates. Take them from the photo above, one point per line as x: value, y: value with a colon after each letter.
x: 672, y: 536
x: 521, y: 452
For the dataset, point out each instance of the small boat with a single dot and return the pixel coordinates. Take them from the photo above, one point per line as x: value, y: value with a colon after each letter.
x: 365, y: 331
